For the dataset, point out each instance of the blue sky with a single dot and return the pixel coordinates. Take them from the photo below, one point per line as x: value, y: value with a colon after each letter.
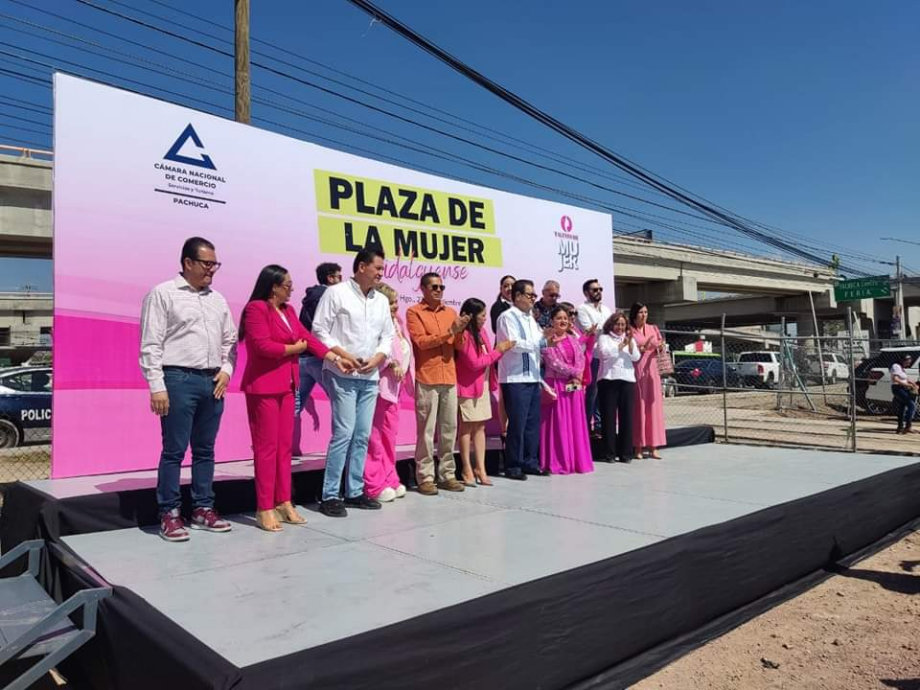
x: 798, y: 115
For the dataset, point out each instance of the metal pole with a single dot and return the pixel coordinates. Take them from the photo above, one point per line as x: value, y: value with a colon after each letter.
x: 782, y: 365
x: 902, y: 332
x: 242, y: 100
x: 814, y: 318
x: 724, y: 384
x: 852, y: 380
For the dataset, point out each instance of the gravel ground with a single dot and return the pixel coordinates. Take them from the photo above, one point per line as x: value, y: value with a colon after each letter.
x: 860, y: 629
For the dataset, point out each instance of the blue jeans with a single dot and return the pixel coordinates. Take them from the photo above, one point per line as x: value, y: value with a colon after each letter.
x: 194, y: 417
x: 522, y: 446
x: 311, y: 373
x: 353, y: 404
x: 905, y: 406
x: 592, y: 410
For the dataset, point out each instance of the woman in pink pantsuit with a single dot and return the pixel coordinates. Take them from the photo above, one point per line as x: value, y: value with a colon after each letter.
x: 274, y: 339
x: 380, y: 479
x: 564, y: 443
x: 648, y: 413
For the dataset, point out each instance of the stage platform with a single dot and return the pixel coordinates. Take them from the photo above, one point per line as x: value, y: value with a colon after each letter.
x: 555, y: 582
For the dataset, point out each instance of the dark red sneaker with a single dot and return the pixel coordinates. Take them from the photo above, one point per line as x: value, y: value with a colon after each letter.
x: 172, y: 527
x: 208, y: 519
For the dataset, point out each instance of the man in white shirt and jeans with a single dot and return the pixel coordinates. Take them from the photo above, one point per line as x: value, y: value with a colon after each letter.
x: 353, y: 319
x: 188, y: 349
x: 519, y: 375
x: 592, y: 315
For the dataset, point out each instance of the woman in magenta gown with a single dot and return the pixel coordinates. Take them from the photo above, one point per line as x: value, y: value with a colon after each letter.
x: 648, y: 413
x: 564, y: 444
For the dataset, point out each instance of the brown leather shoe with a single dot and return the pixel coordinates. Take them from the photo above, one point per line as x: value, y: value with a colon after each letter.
x: 428, y: 489
x: 452, y: 485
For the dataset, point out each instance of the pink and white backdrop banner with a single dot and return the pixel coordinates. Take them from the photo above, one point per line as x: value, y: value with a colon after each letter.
x: 134, y: 177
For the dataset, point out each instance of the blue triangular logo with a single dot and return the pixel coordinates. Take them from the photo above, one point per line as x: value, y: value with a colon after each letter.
x: 173, y: 153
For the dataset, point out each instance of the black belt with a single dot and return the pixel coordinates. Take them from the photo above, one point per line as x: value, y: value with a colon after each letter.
x: 190, y: 370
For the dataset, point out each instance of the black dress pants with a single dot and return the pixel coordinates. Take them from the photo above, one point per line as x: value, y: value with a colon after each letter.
x: 617, y: 399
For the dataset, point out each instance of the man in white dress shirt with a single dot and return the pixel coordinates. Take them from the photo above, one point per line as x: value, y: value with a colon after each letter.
x: 592, y: 315
x: 519, y: 375
x: 354, y: 317
x: 188, y: 349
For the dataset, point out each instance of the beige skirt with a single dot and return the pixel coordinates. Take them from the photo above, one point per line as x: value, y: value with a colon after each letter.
x: 477, y: 409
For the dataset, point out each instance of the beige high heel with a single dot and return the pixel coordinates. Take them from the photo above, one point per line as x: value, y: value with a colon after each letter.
x: 267, y: 520
x: 288, y: 513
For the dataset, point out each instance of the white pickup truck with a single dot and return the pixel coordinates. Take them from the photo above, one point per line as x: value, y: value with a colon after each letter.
x: 834, y: 365
x: 759, y: 369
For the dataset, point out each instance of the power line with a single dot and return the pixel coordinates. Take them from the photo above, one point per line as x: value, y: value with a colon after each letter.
x: 749, y: 231
x: 572, y: 134
x: 474, y: 164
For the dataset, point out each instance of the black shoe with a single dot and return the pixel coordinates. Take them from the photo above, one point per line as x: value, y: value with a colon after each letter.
x: 533, y: 472
x: 515, y: 474
x: 363, y: 502
x: 333, y: 508
x: 625, y: 461
x: 607, y: 459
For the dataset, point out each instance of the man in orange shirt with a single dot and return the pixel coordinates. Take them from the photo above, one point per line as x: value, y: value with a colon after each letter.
x: 432, y: 328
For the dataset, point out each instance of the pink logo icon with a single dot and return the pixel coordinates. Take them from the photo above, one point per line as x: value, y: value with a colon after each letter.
x: 566, y: 223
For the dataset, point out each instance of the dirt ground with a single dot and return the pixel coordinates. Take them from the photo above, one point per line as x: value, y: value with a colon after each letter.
x: 857, y: 630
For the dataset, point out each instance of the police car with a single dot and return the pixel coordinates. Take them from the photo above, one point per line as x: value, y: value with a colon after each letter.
x: 25, y: 405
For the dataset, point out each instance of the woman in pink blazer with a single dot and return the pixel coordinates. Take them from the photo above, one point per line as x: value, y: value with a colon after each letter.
x: 474, y: 360
x: 274, y: 339
x: 380, y: 478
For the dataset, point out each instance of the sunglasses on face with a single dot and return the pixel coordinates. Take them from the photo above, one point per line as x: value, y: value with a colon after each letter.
x: 209, y: 265
x: 436, y: 288
x: 596, y: 289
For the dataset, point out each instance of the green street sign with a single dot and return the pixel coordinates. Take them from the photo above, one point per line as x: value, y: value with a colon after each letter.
x: 862, y: 288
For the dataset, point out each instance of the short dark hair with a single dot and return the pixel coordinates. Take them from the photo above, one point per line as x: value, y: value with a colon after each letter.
x: 367, y: 256
x: 584, y: 286
x: 519, y: 287
x: 324, y: 270
x: 556, y: 310
x: 634, y: 311
x: 191, y: 247
x: 427, y: 277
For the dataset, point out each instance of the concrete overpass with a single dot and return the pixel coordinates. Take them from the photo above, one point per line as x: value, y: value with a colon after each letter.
x: 671, y: 279
x: 25, y: 203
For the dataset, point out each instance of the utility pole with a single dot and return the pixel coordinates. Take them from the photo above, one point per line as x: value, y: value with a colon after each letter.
x: 243, y: 99
x: 899, y: 300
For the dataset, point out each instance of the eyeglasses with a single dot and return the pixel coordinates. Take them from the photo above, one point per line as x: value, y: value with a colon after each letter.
x: 573, y: 314
x: 530, y: 295
x: 437, y: 288
x: 596, y: 289
x: 210, y: 265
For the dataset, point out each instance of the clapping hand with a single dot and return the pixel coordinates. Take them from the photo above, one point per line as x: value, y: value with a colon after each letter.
x: 461, y: 322
x: 505, y: 345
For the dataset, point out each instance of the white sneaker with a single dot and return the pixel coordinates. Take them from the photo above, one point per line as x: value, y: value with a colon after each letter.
x: 400, y: 491
x: 387, y: 495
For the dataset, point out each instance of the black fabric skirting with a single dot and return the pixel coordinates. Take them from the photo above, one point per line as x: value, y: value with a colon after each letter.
x: 605, y: 624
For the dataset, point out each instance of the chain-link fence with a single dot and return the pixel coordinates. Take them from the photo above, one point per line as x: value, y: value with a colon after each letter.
x: 757, y: 386
x: 25, y: 417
